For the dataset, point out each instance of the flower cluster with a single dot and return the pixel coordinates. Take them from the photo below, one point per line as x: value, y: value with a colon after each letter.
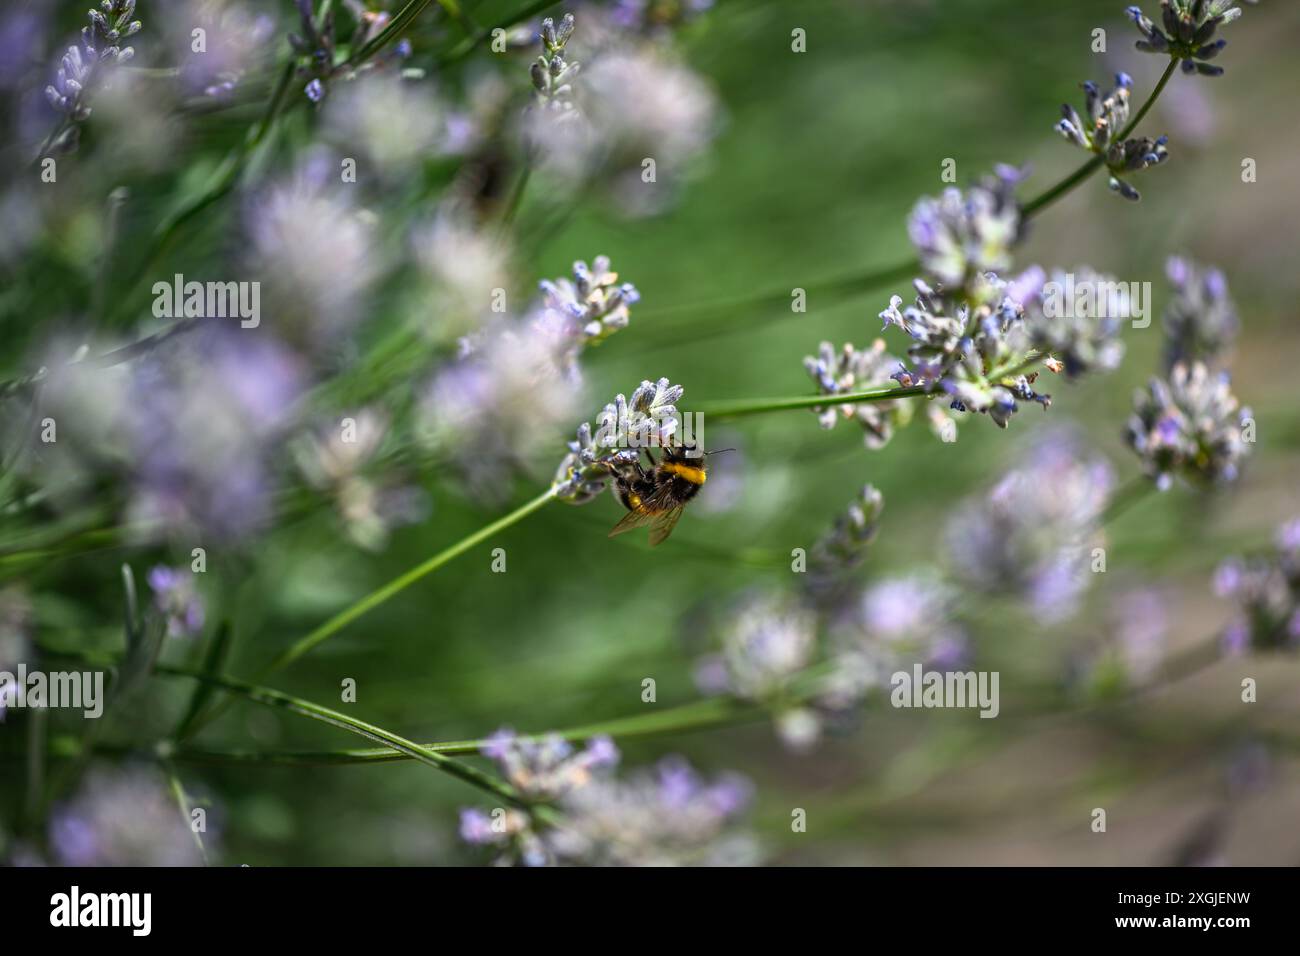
x: 1267, y: 593
x: 667, y: 816
x: 767, y: 646
x: 1188, y: 34
x: 122, y: 818
x: 636, y: 103
x: 551, y: 73
x: 1103, y: 130
x: 649, y: 419
x: 540, y: 770
x: 838, y: 552
x: 177, y: 599
x: 584, y: 311
x: 670, y: 816
x: 963, y: 345
x: 850, y: 370
x: 230, y: 399
x: 1076, y: 318
x: 337, y: 461
x: 1189, y: 424
x: 1032, y: 535
x: 898, y: 621
x: 960, y: 236
x: 1200, y: 321
x: 548, y: 768
x: 100, y: 44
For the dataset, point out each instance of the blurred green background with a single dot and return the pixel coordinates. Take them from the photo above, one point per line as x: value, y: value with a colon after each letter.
x: 818, y: 162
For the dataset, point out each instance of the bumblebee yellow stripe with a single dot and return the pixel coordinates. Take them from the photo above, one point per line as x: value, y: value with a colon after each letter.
x: 695, y: 476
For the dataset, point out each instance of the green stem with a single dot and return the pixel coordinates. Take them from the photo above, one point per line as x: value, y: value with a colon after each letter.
x: 403, y: 581
x: 516, y: 195
x: 698, y: 715
x: 1126, y: 497
x: 887, y: 393
x: 1045, y: 199
x: 374, y: 599
x: 279, y: 700
x: 183, y: 804
x: 758, y: 406
x: 305, y: 708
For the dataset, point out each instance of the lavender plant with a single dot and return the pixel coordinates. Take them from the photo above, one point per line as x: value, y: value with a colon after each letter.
x: 279, y: 446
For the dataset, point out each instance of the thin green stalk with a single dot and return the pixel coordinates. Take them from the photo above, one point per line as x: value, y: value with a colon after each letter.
x: 403, y: 581
x: 516, y: 195
x: 1045, y: 199
x: 376, y: 598
x: 758, y: 406
x: 1126, y: 497
x: 183, y: 804
x: 305, y: 708
x: 698, y: 715
x: 279, y: 700
x: 710, y: 712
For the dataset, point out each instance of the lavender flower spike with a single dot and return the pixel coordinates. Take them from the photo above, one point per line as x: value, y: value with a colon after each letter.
x: 1098, y: 132
x: 1186, y: 32
x: 1189, y: 424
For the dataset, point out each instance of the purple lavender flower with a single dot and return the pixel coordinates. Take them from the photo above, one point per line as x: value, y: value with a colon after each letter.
x: 648, y: 419
x: 80, y: 68
x: 122, y: 817
x: 1201, y: 319
x: 851, y: 370
x: 838, y: 553
x: 1080, y: 334
x: 190, y: 429
x: 176, y: 597
x: 768, y: 644
x: 962, y: 337
x: 1188, y: 32
x: 546, y: 769
x: 668, y: 816
x: 585, y: 311
x: 340, y: 460
x: 1266, y: 590
x: 1032, y: 535
x: 1191, y: 425
x: 1100, y: 132
x: 551, y: 73
x: 960, y: 236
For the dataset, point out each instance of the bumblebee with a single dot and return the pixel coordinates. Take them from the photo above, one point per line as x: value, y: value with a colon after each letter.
x: 657, y: 497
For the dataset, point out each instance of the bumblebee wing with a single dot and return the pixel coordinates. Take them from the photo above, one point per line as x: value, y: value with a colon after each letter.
x: 664, y: 524
x: 633, y: 519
